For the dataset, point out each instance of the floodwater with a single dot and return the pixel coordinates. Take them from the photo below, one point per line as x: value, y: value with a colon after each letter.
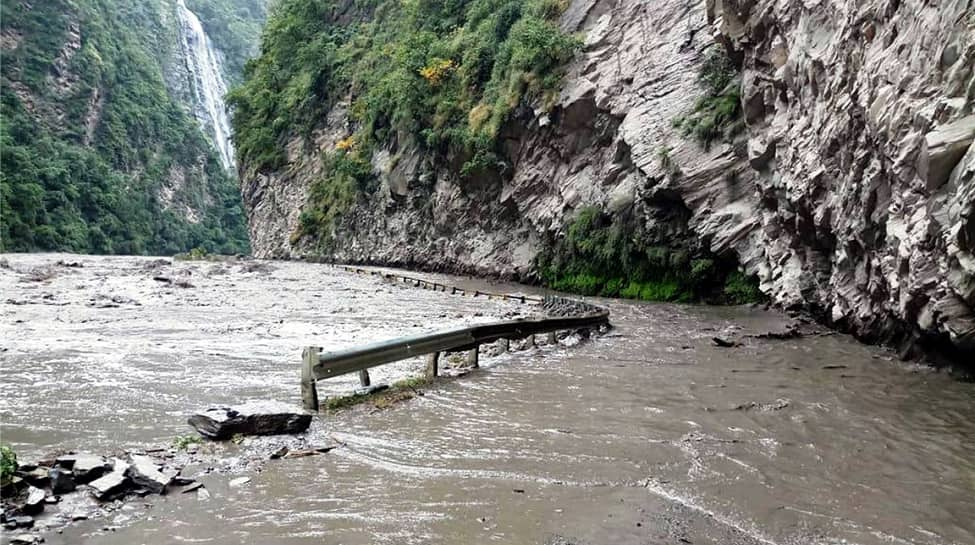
x: 649, y: 434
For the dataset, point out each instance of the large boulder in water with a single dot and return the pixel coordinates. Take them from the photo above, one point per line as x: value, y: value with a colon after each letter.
x: 255, y: 418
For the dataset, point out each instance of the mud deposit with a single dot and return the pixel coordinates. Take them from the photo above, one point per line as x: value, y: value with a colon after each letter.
x: 650, y: 434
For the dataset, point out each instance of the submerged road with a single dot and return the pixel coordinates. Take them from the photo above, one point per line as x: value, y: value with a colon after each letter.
x: 650, y: 434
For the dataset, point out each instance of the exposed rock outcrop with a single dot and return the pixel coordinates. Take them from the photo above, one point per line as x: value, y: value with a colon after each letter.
x: 850, y: 194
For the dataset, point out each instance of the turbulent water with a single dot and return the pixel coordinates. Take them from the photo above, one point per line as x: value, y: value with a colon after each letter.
x: 649, y: 434
x: 209, y: 87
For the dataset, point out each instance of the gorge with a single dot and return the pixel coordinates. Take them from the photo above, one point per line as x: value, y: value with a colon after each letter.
x: 273, y: 271
x: 834, y: 166
x: 115, y: 135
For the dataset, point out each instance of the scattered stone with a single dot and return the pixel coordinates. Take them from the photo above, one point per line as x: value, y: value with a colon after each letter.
x: 181, y: 481
x: 724, y: 343
x: 778, y: 405
x: 62, y: 480
x: 11, y: 486
x: 25, y: 539
x: 51, y: 500
x: 303, y: 453
x: 21, y: 522
x: 281, y: 452
x: 35, y: 501
x: 791, y: 331
x: 369, y: 390
x: 112, y: 485
x: 203, y: 494
x: 86, y: 467
x: 240, y: 481
x: 192, y: 487
x: 144, y: 473
x: 258, y: 418
x: 37, y: 476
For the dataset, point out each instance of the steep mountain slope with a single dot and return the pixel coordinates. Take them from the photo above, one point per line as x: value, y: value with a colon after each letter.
x: 824, y: 148
x: 101, y: 152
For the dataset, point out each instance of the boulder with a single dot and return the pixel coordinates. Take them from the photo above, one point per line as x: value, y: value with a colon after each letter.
x: 258, y: 418
x: 35, y: 501
x: 37, y: 476
x: 113, y: 484
x: 145, y: 474
x: 62, y: 480
x: 12, y: 485
x: 86, y: 467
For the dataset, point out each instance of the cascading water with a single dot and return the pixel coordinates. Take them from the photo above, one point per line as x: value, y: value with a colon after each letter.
x: 208, y: 85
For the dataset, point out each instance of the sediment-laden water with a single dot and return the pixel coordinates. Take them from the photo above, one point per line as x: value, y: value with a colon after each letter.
x: 650, y: 434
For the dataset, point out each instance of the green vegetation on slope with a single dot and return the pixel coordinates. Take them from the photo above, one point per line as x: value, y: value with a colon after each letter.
x: 90, y: 135
x: 444, y: 75
x: 601, y: 255
x: 717, y: 113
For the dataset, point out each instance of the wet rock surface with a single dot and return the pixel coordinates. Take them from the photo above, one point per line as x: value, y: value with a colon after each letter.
x: 62, y: 481
x: 85, y: 467
x: 110, y: 482
x: 256, y: 418
x: 144, y: 473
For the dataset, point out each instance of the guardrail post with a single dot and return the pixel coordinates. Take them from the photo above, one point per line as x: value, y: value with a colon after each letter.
x: 531, y: 341
x: 433, y: 365
x: 364, y: 378
x: 551, y: 338
x: 505, y: 345
x: 309, y: 391
x: 472, y: 358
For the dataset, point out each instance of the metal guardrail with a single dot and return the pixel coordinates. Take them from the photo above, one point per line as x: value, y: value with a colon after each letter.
x: 317, y: 365
x: 436, y: 286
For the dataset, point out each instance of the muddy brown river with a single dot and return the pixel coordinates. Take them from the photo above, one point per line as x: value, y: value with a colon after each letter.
x: 648, y: 434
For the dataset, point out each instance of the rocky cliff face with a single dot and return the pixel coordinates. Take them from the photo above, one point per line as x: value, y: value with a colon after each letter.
x: 850, y: 193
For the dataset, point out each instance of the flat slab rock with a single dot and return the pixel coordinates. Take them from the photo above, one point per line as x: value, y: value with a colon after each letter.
x: 145, y: 474
x: 256, y: 418
x: 113, y: 484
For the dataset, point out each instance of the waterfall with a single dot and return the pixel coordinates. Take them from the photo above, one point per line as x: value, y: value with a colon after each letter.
x: 207, y: 82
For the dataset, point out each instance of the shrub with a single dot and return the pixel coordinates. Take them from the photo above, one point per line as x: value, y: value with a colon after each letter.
x: 717, y: 113
x: 183, y: 442
x: 605, y: 255
x: 8, y: 463
x: 445, y: 73
x: 740, y: 289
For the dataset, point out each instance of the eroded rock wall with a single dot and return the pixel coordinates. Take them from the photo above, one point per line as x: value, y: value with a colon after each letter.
x: 859, y: 119
x: 849, y: 195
